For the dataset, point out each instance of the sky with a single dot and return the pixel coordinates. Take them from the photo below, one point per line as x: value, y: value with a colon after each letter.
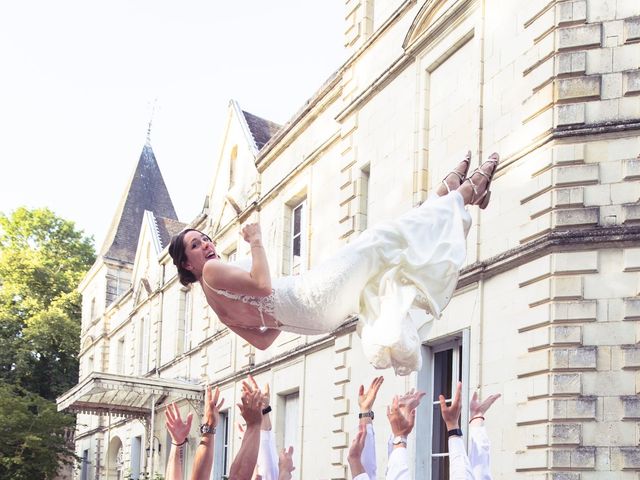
x: 79, y: 80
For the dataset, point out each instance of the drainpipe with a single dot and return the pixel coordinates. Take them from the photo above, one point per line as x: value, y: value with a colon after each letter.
x: 152, y: 433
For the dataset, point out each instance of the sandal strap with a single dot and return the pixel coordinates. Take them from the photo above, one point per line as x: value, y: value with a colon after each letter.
x: 474, y: 188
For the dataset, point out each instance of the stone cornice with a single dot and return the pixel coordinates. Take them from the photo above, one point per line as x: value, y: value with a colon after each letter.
x: 554, y: 241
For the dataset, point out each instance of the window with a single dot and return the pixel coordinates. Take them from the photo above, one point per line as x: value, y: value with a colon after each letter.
x: 287, y: 422
x: 84, y: 468
x: 184, y: 322
x: 117, y: 284
x: 120, y: 356
x: 363, y: 198
x: 294, y: 235
x: 187, y: 321
x: 221, y: 448
x: 233, y: 159
x: 92, y: 314
x: 232, y: 255
x: 445, y: 365
x: 89, y: 365
x: 298, y: 240
x: 136, y: 453
x: 143, y: 346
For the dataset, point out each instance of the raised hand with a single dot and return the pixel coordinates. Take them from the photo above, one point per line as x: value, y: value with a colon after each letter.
x: 285, y: 464
x: 355, y: 452
x: 401, y: 419
x: 477, y: 408
x: 251, y: 403
x: 411, y: 399
x: 451, y: 414
x: 212, y: 407
x: 178, y: 429
x: 251, y: 233
x: 366, y: 399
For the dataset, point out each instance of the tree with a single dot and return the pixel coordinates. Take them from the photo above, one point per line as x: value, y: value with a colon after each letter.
x: 33, y: 435
x: 42, y: 259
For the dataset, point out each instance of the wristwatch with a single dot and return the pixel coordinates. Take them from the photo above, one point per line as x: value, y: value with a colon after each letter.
x: 368, y: 414
x: 266, y: 410
x: 206, y: 429
x: 399, y: 439
x: 455, y: 432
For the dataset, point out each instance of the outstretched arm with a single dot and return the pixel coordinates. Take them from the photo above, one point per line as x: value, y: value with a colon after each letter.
x: 366, y: 400
x: 203, y: 461
x: 251, y: 410
x: 257, y: 282
x: 179, y: 432
x: 480, y: 446
x: 460, y: 469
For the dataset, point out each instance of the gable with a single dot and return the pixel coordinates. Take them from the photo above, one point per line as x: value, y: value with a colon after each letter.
x: 431, y: 19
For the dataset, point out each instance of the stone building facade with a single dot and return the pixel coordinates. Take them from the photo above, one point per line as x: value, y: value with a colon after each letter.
x: 547, y: 308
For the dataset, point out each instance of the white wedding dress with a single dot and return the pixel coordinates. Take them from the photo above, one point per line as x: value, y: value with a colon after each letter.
x: 411, y: 262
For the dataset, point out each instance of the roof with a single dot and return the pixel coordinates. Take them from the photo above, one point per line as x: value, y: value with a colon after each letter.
x: 124, y: 395
x: 261, y: 129
x: 167, y: 228
x: 146, y: 191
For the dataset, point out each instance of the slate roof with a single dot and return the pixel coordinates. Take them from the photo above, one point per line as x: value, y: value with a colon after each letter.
x: 167, y: 228
x: 261, y: 129
x: 146, y: 191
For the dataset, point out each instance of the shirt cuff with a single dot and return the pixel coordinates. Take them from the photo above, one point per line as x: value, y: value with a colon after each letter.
x: 362, y: 476
x: 456, y: 446
x: 399, y: 455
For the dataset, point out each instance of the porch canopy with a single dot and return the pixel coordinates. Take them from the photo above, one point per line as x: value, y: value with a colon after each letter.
x: 123, y: 395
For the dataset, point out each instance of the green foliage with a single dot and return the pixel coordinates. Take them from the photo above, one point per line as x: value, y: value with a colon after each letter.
x: 33, y: 444
x: 42, y: 260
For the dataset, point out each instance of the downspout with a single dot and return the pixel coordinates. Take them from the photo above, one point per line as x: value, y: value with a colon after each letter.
x: 481, y: 152
x: 151, y: 434
x: 159, y: 332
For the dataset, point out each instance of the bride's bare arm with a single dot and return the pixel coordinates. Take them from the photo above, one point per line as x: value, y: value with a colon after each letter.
x: 259, y: 265
x: 259, y: 339
x: 257, y: 282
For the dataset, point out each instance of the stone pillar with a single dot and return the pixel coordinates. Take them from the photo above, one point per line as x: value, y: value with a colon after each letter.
x: 340, y: 428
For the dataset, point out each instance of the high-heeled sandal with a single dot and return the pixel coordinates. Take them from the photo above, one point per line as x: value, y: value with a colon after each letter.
x: 483, y: 199
x: 461, y: 176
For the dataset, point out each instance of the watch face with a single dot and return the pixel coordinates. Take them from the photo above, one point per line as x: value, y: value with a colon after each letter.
x: 204, y: 428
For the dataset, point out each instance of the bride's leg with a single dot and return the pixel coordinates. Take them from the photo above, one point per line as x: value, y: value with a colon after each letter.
x: 475, y: 189
x: 455, y: 177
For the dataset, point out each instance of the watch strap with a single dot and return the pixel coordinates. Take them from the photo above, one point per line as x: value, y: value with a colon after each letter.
x: 266, y: 410
x: 397, y: 440
x: 455, y: 432
x: 368, y: 414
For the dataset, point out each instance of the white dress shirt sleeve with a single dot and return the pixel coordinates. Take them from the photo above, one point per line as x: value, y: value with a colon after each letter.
x: 398, y: 466
x: 368, y: 456
x: 480, y: 452
x: 459, y: 467
x: 268, y: 456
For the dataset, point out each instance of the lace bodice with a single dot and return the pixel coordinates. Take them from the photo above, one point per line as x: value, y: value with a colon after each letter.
x: 262, y: 304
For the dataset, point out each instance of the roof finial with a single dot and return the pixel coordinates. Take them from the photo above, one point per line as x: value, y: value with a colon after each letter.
x: 153, y: 111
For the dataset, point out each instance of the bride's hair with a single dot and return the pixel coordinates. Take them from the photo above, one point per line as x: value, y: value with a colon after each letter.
x: 179, y: 255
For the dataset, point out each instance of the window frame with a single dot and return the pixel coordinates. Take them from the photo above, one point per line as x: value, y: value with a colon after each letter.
x: 297, y: 266
x: 221, y: 449
x: 424, y: 419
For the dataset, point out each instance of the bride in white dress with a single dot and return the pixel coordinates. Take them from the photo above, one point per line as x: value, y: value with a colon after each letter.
x: 390, y: 268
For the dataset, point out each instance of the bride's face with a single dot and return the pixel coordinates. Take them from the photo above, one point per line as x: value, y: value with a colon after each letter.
x: 199, y: 249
